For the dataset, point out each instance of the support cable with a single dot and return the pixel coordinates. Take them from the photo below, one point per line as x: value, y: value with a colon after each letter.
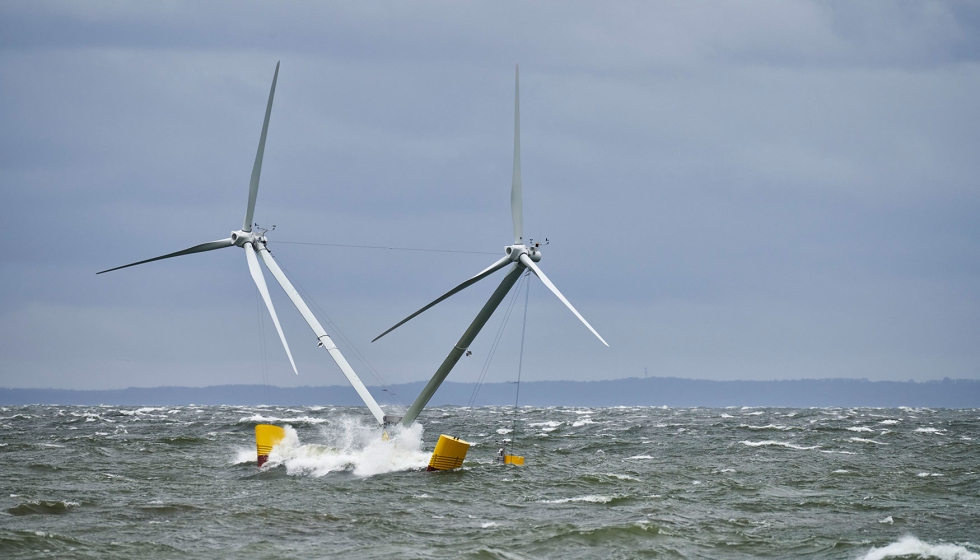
x: 265, y: 357
x: 496, y: 340
x: 520, y: 363
x: 387, y: 248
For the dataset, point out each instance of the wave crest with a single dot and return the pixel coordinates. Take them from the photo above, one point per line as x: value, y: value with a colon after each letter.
x: 912, y: 547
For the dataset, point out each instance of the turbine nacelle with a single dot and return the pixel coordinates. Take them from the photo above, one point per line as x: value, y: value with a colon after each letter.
x: 240, y: 238
x: 514, y: 252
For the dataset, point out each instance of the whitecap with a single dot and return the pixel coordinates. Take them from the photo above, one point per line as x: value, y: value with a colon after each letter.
x: 582, y: 422
x: 488, y: 524
x: 889, y: 422
x: 910, y: 546
x: 888, y: 520
x: 640, y: 457
x: 504, y: 431
x: 862, y: 440
x: 927, y: 474
x: 766, y: 427
x: 622, y: 476
x: 259, y: 419
x: 860, y: 429
x: 929, y: 430
x: 592, y: 499
x: 778, y: 444
x: 245, y: 456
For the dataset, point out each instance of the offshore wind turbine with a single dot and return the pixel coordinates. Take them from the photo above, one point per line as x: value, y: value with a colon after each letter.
x: 256, y: 247
x: 519, y: 257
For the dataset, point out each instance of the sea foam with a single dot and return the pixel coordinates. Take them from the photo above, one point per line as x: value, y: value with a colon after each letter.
x: 353, y: 447
x: 911, y: 547
x: 778, y: 444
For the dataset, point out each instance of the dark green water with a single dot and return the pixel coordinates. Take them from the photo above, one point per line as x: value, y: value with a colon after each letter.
x: 180, y: 482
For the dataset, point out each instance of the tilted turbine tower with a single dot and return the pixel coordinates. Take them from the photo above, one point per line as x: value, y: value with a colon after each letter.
x: 519, y: 257
x: 256, y: 247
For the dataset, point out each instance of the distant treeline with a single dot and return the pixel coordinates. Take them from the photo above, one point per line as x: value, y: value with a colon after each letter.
x: 653, y: 391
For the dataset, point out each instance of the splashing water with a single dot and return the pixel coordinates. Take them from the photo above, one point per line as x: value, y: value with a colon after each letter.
x: 350, y: 445
x: 911, y: 547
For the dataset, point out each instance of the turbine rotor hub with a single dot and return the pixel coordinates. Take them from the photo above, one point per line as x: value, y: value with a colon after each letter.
x: 241, y: 237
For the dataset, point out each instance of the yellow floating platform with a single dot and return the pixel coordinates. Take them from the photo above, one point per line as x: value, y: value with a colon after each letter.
x: 448, y: 454
x: 266, y: 437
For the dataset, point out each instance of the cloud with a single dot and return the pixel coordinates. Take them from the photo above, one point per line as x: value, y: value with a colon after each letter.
x: 762, y: 190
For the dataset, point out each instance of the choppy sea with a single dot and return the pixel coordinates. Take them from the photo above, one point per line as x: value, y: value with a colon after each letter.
x: 181, y: 482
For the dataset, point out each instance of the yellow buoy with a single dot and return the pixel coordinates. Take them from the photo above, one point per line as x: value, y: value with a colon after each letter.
x: 514, y: 460
x: 448, y: 454
x: 266, y: 437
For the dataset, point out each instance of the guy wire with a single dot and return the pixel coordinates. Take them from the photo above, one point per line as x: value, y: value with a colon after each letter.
x: 520, y: 361
x: 340, y: 334
x: 496, y: 341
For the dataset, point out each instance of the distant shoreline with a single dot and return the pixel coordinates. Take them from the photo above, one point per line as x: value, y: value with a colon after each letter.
x: 652, y: 391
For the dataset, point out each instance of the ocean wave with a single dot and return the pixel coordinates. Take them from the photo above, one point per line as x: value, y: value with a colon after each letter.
x: 591, y: 498
x: 770, y: 442
x: 910, y: 546
x: 259, y: 419
x: 862, y: 440
x: 766, y: 427
x: 43, y: 507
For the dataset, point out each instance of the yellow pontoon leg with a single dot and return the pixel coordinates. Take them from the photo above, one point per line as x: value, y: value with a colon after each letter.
x: 448, y: 454
x: 266, y: 437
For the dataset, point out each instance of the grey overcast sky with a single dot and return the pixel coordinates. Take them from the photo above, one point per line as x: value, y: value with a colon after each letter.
x: 732, y: 190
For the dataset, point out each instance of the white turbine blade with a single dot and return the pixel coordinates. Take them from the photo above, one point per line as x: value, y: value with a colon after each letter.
x: 253, y: 185
x: 209, y: 246
x: 483, y: 274
x: 259, y: 278
x: 516, y: 191
x: 322, y: 335
x: 544, y: 280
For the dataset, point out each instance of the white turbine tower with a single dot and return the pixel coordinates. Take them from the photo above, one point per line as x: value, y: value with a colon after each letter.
x: 519, y: 256
x: 256, y: 247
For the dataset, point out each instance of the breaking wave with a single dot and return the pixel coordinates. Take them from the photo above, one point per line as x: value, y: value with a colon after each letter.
x: 259, y: 419
x: 911, y: 547
x: 351, y: 446
x: 770, y: 442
